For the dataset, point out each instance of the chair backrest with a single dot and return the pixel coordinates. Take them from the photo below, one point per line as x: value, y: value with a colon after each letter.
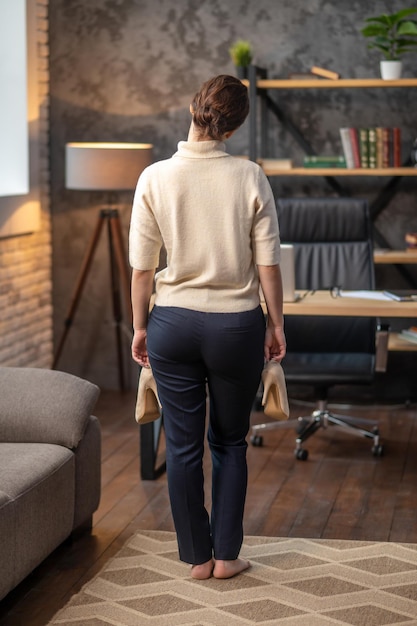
x: 332, y: 238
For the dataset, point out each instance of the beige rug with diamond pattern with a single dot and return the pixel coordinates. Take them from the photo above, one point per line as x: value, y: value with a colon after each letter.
x: 291, y: 582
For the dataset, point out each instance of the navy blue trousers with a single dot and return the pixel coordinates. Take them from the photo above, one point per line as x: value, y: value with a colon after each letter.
x: 191, y: 352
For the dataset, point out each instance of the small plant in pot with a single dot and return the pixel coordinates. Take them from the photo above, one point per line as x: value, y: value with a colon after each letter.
x: 394, y: 35
x: 241, y: 54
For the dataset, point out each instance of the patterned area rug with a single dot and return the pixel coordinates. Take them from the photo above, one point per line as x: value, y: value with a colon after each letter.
x: 291, y: 582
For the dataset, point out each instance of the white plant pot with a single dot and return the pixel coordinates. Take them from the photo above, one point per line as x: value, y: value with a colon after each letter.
x: 391, y: 70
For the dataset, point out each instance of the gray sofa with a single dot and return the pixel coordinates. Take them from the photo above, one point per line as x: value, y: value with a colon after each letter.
x: 49, y: 465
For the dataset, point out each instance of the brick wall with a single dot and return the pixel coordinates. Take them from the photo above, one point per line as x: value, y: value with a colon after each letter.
x: 25, y: 261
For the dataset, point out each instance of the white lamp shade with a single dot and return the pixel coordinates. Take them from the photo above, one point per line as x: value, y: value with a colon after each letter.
x: 105, y: 166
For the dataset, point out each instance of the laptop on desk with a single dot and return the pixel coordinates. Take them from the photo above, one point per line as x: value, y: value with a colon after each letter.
x: 288, y: 273
x: 287, y: 266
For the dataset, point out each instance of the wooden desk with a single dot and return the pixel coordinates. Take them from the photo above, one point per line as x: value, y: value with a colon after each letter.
x: 318, y: 303
x: 322, y: 303
x: 395, y: 256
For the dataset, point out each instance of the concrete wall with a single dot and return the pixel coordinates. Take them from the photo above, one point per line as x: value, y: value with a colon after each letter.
x: 25, y: 260
x: 126, y: 70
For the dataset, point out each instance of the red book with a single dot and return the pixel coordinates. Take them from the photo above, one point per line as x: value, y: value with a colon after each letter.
x: 354, y: 140
x: 396, y: 147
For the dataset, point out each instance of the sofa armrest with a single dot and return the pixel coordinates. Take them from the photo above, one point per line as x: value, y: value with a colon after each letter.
x: 41, y: 405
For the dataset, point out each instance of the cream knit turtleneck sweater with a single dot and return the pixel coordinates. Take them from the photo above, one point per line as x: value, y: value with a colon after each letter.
x: 215, y: 215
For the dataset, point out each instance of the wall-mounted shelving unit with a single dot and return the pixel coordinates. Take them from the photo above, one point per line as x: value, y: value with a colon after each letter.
x: 259, y: 87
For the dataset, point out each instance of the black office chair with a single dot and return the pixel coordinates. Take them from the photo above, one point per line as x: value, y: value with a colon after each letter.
x: 333, y: 250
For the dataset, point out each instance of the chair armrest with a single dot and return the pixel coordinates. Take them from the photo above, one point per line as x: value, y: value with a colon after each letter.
x: 381, y: 350
x: 44, y: 406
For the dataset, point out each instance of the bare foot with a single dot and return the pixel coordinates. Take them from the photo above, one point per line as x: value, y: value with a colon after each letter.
x: 228, y: 569
x: 203, y: 571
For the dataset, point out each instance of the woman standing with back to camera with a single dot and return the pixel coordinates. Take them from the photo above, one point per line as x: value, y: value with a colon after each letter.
x: 215, y: 215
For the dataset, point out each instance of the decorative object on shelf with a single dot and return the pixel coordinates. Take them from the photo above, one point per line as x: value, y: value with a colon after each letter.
x: 324, y: 73
x: 394, y: 35
x: 391, y: 70
x: 241, y: 53
x: 411, y: 241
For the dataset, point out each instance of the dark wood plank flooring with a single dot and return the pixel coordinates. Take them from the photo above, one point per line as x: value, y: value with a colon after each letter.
x: 340, y: 492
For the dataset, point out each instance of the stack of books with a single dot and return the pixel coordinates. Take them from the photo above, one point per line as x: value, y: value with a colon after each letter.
x: 378, y: 147
x: 410, y: 334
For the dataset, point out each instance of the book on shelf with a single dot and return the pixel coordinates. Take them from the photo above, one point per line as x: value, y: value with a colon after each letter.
x: 354, y: 140
x: 364, y: 146
x: 375, y: 147
x: 401, y: 295
x: 324, y: 73
x: 279, y: 164
x: 396, y: 146
x: 324, y: 161
x: 386, y: 147
x: 379, y: 146
x: 409, y: 334
x: 347, y: 147
x: 372, y: 148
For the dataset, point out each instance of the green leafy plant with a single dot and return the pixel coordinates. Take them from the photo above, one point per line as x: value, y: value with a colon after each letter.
x: 392, y: 34
x: 241, y: 53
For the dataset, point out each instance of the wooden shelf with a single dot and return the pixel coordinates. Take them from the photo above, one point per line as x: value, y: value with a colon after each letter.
x: 346, y: 83
x: 395, y: 256
x: 397, y: 344
x: 271, y: 170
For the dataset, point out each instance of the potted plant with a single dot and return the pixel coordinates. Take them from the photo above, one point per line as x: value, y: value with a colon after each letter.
x: 241, y: 54
x: 394, y: 35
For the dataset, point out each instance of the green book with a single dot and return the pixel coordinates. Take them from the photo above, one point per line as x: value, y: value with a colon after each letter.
x: 324, y: 161
x: 372, y: 147
x: 364, y: 146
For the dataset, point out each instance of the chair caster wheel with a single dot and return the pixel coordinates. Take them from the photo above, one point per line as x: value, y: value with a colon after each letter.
x: 257, y: 440
x: 378, y: 450
x: 300, y: 454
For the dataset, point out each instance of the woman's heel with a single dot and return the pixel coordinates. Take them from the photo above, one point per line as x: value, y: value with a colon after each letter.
x: 275, y: 399
x: 148, y: 407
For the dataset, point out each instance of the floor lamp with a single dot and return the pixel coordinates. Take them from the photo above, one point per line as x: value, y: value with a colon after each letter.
x: 105, y: 167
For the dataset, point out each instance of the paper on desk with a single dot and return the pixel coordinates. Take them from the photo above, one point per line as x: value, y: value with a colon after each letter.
x: 367, y: 295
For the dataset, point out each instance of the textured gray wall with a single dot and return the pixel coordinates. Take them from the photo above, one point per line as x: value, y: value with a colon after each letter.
x: 125, y: 70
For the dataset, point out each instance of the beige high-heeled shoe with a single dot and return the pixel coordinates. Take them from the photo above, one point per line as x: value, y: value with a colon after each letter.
x: 148, y: 406
x: 275, y: 399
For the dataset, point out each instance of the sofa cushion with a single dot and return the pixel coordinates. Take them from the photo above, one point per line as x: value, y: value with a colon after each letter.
x: 39, y: 481
x: 45, y: 406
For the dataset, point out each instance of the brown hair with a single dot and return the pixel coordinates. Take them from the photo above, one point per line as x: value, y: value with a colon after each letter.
x: 221, y: 106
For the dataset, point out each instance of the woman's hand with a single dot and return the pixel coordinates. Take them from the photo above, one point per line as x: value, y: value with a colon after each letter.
x: 139, y: 349
x: 275, y: 345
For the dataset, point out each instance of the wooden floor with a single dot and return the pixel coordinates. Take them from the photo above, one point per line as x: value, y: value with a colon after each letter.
x: 341, y: 492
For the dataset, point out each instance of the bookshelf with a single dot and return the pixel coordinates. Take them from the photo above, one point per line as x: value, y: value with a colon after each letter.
x: 259, y: 86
